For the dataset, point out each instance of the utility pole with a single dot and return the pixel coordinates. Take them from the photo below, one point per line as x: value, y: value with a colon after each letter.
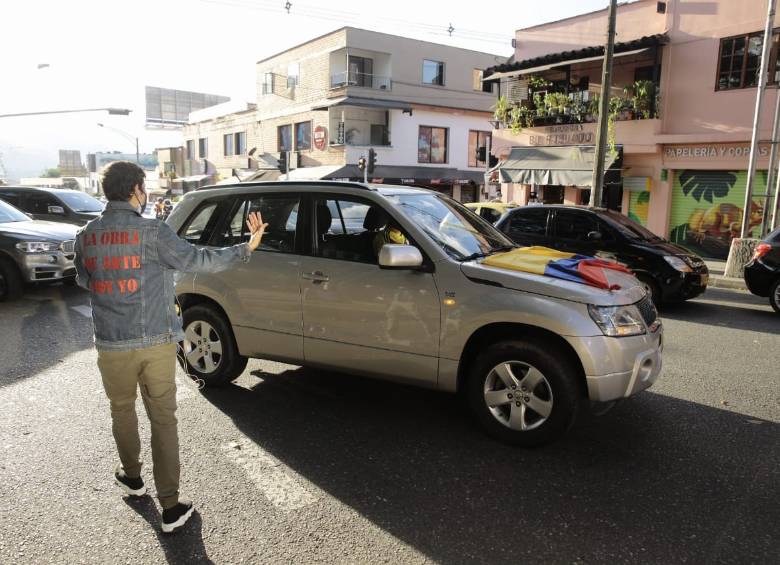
x: 770, y: 19
x: 597, y: 182
x: 770, y: 178
x: 776, y: 215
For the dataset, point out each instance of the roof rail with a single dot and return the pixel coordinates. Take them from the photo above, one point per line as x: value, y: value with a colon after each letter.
x: 298, y: 184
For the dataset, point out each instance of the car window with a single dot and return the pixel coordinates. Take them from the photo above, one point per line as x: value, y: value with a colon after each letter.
x: 80, y: 202
x: 571, y: 224
x: 490, y: 214
x: 280, y: 212
x: 10, y: 214
x: 39, y: 203
x: 353, y: 230
x: 196, y: 229
x: 531, y: 221
x: 11, y: 198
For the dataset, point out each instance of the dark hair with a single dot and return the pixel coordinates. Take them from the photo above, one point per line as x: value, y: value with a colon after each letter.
x: 119, y: 179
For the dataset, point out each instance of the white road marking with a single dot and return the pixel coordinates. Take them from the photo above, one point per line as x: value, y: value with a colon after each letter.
x: 83, y: 310
x: 278, y: 483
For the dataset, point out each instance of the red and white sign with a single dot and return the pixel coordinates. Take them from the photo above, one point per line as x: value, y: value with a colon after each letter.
x: 320, y: 137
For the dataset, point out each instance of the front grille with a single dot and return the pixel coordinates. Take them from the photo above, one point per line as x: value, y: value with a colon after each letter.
x: 648, y: 311
x: 68, y: 246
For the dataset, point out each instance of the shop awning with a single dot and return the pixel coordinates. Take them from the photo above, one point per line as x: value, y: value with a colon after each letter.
x: 545, y: 62
x: 564, y: 166
x: 364, y: 103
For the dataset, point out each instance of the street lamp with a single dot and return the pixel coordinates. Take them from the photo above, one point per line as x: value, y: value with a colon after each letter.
x: 126, y: 135
x: 111, y: 112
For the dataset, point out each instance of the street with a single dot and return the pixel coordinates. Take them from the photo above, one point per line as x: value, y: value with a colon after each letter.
x: 295, y: 465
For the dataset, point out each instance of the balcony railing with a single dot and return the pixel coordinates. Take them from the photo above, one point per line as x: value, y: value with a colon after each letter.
x: 365, y: 80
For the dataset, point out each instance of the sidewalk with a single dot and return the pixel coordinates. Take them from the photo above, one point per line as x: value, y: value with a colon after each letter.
x: 717, y: 280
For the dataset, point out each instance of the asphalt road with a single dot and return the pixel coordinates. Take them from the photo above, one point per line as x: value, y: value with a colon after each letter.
x: 295, y: 465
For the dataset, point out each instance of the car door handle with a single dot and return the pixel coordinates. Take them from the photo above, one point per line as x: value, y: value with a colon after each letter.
x: 316, y: 277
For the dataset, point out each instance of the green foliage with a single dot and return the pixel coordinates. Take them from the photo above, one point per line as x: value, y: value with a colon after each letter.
x: 707, y: 184
x: 643, y: 197
x: 538, y: 83
x: 516, y: 119
x: 52, y: 173
x: 501, y: 109
x: 640, y: 96
x: 679, y: 234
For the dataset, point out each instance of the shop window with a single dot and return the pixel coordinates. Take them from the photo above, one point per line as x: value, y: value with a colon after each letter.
x: 303, y: 136
x: 740, y: 61
x: 432, y: 145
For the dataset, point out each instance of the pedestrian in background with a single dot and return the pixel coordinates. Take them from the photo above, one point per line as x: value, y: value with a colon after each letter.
x: 127, y: 263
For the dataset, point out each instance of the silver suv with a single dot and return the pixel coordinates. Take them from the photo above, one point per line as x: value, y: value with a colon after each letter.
x: 389, y: 282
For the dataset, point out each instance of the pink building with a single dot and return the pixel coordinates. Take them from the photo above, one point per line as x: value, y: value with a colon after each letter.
x: 682, y: 103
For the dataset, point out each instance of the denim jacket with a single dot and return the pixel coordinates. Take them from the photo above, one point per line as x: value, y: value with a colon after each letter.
x: 127, y: 263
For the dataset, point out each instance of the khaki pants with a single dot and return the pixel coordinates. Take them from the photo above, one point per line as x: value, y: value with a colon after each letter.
x: 153, y: 369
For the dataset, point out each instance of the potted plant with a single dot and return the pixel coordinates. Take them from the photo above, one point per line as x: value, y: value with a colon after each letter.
x: 501, y: 110
x: 592, y: 112
x: 541, y: 109
x: 641, y: 95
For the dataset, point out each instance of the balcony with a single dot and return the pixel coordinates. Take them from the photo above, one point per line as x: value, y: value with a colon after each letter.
x: 363, y: 80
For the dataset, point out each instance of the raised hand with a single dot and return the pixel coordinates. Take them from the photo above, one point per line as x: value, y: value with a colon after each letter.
x: 254, y: 222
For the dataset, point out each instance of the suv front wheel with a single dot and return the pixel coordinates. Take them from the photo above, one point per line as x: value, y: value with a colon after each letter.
x: 523, y: 393
x: 209, y: 351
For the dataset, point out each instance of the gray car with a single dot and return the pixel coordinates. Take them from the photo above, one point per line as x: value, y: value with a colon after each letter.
x: 33, y: 251
x: 391, y: 282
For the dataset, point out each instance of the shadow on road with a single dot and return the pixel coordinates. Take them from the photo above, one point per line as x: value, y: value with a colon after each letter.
x: 40, y: 329
x: 655, y: 480
x: 184, y: 546
x: 728, y: 309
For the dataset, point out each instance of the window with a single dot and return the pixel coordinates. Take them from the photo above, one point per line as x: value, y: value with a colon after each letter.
x: 527, y: 222
x: 196, y: 232
x: 280, y: 212
x: 268, y: 83
x: 240, y: 143
x: 432, y: 145
x: 740, y: 61
x: 476, y: 80
x: 203, y: 147
x: 293, y: 70
x: 361, y: 71
x: 379, y: 134
x: 39, y: 203
x: 303, y: 136
x: 227, y: 144
x: 284, y: 138
x: 433, y: 72
x: 490, y: 214
x: 169, y: 167
x: 351, y: 230
x: 190, y: 149
x: 570, y: 224
x: 477, y: 140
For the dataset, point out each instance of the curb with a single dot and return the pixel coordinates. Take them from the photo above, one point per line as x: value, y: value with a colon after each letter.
x: 728, y: 283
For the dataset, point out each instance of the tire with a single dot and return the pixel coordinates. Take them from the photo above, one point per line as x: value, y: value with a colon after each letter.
x: 651, y: 287
x: 201, y: 360
x: 774, y: 296
x: 558, y: 394
x: 11, y: 284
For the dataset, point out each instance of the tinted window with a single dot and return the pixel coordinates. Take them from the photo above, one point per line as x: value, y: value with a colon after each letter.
x: 490, y: 214
x: 531, y: 221
x: 280, y: 212
x: 80, y: 202
x: 39, y: 203
x: 11, y: 198
x: 196, y: 231
x: 570, y: 224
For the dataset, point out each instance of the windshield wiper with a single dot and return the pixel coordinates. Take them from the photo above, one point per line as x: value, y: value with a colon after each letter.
x: 480, y: 254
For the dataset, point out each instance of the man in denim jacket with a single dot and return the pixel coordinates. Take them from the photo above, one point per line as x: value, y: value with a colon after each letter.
x: 127, y: 263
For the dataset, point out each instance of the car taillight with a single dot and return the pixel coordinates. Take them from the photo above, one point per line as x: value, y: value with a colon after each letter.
x: 761, y: 250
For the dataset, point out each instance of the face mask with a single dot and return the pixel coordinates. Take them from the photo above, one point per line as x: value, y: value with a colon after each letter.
x: 142, y: 207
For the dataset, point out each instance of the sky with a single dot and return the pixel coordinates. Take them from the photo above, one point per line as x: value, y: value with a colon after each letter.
x: 101, y: 53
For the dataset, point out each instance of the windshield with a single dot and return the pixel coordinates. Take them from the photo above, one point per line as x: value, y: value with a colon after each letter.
x: 629, y: 227
x: 10, y: 214
x: 451, y: 225
x: 80, y: 202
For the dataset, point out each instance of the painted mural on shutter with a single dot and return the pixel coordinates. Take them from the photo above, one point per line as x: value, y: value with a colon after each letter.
x: 638, y: 206
x: 707, y: 209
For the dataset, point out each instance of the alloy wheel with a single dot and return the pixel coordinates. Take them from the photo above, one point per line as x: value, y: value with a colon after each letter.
x: 202, y: 347
x: 518, y: 395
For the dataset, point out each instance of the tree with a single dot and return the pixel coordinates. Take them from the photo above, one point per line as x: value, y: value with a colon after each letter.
x: 52, y: 173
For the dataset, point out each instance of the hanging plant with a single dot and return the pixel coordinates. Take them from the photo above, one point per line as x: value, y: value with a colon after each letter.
x: 538, y: 83
x: 616, y: 105
x: 501, y: 110
x: 516, y: 120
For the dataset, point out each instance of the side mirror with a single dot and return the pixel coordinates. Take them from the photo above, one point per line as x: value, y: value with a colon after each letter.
x: 393, y: 256
x: 57, y: 210
x: 594, y: 236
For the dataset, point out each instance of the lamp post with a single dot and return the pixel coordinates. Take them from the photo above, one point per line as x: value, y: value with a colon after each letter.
x: 128, y: 136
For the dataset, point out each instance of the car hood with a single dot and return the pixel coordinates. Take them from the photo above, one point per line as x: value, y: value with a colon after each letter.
x: 40, y: 229
x: 629, y: 293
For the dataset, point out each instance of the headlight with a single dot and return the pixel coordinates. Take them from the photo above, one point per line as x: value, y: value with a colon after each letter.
x: 37, y: 246
x: 678, y: 263
x: 618, y: 321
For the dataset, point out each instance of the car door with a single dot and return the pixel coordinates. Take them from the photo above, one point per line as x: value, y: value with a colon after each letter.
x: 527, y: 226
x: 575, y: 231
x: 358, y: 317
x: 262, y: 297
x: 43, y: 206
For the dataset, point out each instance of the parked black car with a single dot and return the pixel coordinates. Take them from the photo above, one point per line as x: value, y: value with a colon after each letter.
x: 667, y: 271
x: 33, y: 251
x: 762, y: 274
x: 53, y: 204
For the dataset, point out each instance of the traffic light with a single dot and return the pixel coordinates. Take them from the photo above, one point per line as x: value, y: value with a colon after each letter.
x: 362, y: 163
x: 371, y: 161
x: 282, y: 161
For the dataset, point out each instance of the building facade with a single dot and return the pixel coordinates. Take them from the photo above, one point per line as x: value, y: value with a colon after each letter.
x: 421, y: 106
x: 681, y: 108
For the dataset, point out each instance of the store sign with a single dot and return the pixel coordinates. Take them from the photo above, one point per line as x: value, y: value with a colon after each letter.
x: 713, y: 151
x: 320, y: 137
x: 573, y: 134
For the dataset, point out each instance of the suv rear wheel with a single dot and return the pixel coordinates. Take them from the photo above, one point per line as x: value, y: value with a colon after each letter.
x: 523, y: 393
x: 774, y: 296
x: 209, y: 348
